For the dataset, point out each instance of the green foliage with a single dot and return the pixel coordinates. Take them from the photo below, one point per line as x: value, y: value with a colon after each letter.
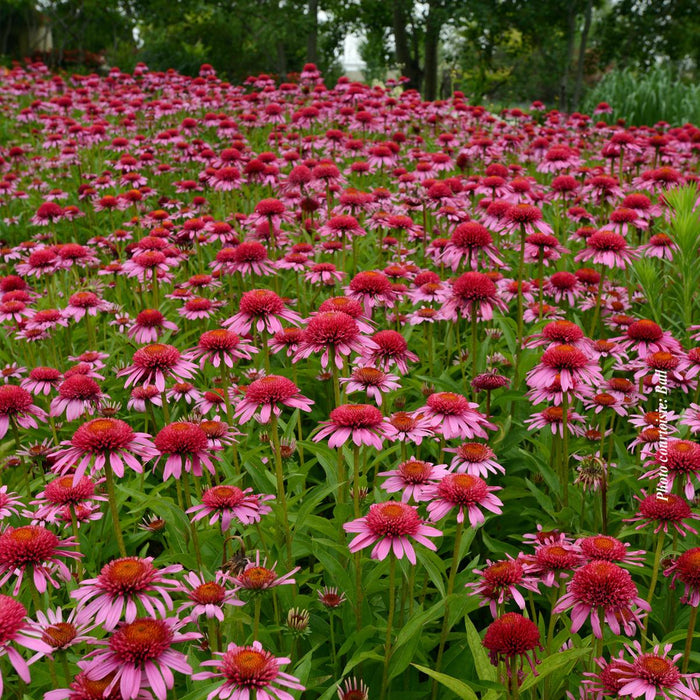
x: 647, y: 97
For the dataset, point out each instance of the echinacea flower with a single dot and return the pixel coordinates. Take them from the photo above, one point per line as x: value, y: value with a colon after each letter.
x: 14, y: 628
x: 9, y: 503
x: 247, y: 672
x: 601, y: 589
x: 464, y: 492
x: 140, y: 655
x: 566, y: 363
x: 412, y: 477
x: 153, y: 364
x: 499, y: 582
x: 101, y: 441
x: 662, y: 511
x: 262, y: 309
x: 391, y: 526
x: 388, y: 349
x: 362, y: 423
x: 62, y: 634
x: 474, y: 458
x: 257, y: 576
x: 17, y: 407
x: 149, y: 325
x: 452, y: 416
x: 220, y: 346
x: 122, y: 586
x: 38, y: 549
x: 511, y: 636
x: 61, y: 493
x: 686, y: 569
x: 206, y: 597
x: 267, y: 395
x: 474, y: 296
x: 370, y: 380
x: 653, y: 674
x: 230, y: 503
x: 184, y: 445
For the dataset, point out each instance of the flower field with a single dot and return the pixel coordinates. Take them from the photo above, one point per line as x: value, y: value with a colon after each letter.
x: 316, y: 392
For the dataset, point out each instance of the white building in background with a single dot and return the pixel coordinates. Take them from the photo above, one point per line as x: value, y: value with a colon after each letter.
x: 351, y: 61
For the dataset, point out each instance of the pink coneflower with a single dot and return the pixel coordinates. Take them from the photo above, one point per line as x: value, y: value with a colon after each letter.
x: 647, y: 337
x: 257, y: 576
x: 607, y: 248
x: 324, y: 273
x: 453, y: 416
x: 152, y: 364
x: 330, y: 598
x: 543, y: 247
x: 662, y: 511
x: 526, y: 217
x: 184, y: 445
x: 474, y: 458
x: 249, y: 671
x: 464, y: 492
x: 691, y: 418
x: 408, y: 427
x: 362, y: 423
x: 653, y: 674
x: 268, y: 394
x: 474, y: 293
x: 62, y: 634
x: 36, y: 547
x: 604, y: 547
x: 352, y: 308
x: 230, y: 503
x: 9, y: 503
x: 197, y: 308
x: 250, y: 258
x: 553, y: 418
x: 149, y: 325
x: 686, y: 569
x: 47, y: 319
x: 602, y: 589
x: 262, y: 309
x: 16, y: 407
x: 140, y: 655
x: 679, y: 461
x: 122, y: 586
x: 286, y: 340
x: 388, y: 349
x: 510, y: 636
x: 499, y: 582
x: 207, y: 598
x: 560, y: 333
x: 183, y: 391
x: 220, y: 345
x: 569, y: 364
x: 660, y: 246
x: 85, y: 303
x: 61, y: 494
x: 371, y: 288
x: 391, y: 526
x: 372, y: 381
x: 77, y: 395
x: 473, y: 241
x: 83, y: 688
x: 14, y: 628
x: 331, y: 333
x: 554, y: 558
x: 412, y: 478
x: 14, y: 310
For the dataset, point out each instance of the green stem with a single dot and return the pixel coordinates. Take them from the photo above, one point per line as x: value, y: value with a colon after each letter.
x: 689, y: 638
x: 565, y: 449
x: 279, y: 474
x: 389, y: 625
x: 113, y: 509
x: 652, y: 585
x: 598, y: 302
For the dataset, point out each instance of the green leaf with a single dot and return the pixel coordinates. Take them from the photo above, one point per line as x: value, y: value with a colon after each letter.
x: 551, y: 664
x: 485, y: 670
x: 460, y: 688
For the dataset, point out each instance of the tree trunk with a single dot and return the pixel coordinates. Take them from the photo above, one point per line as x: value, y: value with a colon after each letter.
x: 312, y: 37
x: 582, y: 53
x: 407, y: 64
x: 432, y: 42
x: 281, y: 59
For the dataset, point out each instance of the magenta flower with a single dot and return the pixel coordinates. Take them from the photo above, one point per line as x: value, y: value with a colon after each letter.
x: 390, y: 527
x: 268, y: 394
x: 453, y: 416
x: 498, y: 582
x: 16, y: 406
x: 372, y: 381
x: 686, y: 569
x: 567, y: 363
x: 184, y: 445
x: 230, y: 503
x: 603, y: 589
x: 152, y: 364
x: 262, y: 309
x: 413, y: 478
x: 249, y: 671
x: 122, y: 586
x: 140, y: 655
x: 362, y: 423
x: 14, y: 628
x: 220, y: 346
x: 207, y: 598
x: 464, y: 492
x: 257, y: 576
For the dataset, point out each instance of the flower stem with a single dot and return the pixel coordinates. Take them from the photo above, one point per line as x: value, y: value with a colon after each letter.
x: 689, y: 638
x: 598, y: 301
x: 565, y: 448
x: 389, y: 625
x: 280, y: 486
x: 448, y: 592
x: 113, y: 509
x: 652, y: 585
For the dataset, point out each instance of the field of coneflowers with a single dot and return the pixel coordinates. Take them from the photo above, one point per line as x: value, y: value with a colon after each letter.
x: 316, y: 392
